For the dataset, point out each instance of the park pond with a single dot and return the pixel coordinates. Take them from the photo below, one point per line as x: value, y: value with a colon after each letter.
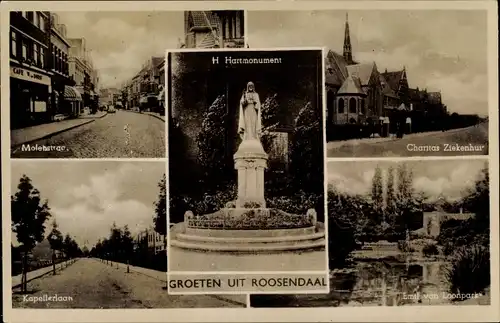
x: 390, y: 281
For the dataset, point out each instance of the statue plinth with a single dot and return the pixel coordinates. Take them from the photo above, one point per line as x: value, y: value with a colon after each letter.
x: 250, y: 160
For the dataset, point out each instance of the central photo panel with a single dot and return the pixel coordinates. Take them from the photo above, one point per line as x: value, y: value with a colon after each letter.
x: 246, y: 175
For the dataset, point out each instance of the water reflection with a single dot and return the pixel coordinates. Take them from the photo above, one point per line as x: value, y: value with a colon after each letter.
x: 387, y: 282
x: 391, y: 283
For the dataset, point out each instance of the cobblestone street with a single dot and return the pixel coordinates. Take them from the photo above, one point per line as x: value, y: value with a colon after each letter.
x: 123, y: 134
x: 90, y: 283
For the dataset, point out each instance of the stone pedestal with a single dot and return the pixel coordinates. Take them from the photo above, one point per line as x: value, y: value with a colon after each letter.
x: 250, y: 160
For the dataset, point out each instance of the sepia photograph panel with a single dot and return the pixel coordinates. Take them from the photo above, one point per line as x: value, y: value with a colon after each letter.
x: 246, y: 180
x: 76, y: 92
x: 404, y: 233
x: 398, y: 82
x: 92, y: 235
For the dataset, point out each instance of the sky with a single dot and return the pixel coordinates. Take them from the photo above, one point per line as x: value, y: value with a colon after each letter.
x: 442, y: 50
x: 87, y: 197
x: 448, y: 178
x: 120, y: 42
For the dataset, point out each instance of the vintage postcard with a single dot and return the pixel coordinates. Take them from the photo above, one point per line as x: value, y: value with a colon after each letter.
x: 246, y: 169
x: 398, y: 82
x: 250, y: 161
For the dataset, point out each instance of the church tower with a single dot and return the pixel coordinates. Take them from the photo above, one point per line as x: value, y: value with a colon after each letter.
x: 347, y: 42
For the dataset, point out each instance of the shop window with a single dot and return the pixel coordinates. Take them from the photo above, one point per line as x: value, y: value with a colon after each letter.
x: 362, y: 108
x: 13, y: 43
x: 341, y: 106
x: 352, y: 105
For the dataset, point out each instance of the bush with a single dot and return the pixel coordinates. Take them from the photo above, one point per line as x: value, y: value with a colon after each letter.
x: 298, y: 203
x: 430, y: 249
x: 470, y: 270
x: 251, y: 219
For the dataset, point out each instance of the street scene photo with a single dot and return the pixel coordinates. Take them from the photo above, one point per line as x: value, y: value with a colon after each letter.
x: 246, y: 167
x: 93, y: 235
x: 398, y: 83
x: 79, y: 92
x: 404, y: 233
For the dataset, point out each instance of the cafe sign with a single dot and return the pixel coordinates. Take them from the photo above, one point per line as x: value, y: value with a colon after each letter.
x: 30, y: 76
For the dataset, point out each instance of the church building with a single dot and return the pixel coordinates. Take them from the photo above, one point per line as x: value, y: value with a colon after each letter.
x: 214, y: 29
x: 357, y: 93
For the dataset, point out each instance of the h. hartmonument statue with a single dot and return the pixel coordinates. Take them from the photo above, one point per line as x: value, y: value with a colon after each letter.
x: 249, y: 125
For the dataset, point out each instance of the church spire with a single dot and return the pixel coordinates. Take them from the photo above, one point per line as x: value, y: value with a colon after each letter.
x: 347, y: 41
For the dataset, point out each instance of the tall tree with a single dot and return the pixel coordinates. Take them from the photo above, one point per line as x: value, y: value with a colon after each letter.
x: 407, y: 202
x: 306, y: 156
x: 28, y: 214
x: 269, y: 113
x: 391, y: 197
x: 127, y: 243
x: 56, y: 243
x: 115, y: 240
x: 67, y: 245
x: 377, y: 190
x: 160, y: 216
x: 212, y: 145
x: 478, y: 202
x: 276, y: 181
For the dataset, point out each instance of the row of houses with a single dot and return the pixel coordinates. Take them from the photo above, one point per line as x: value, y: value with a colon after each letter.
x: 146, y: 90
x: 50, y: 73
x: 202, y: 29
x: 358, y: 93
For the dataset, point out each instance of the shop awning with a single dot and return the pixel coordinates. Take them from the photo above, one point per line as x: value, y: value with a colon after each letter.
x: 72, y: 94
x: 161, y: 96
x: 79, y: 89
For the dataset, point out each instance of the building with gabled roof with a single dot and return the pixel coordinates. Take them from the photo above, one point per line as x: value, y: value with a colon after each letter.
x: 386, y: 97
x: 363, y: 71
x: 350, y: 101
x: 214, y: 29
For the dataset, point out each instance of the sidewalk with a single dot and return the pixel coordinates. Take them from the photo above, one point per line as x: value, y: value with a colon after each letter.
x: 98, y: 115
x: 16, y: 280
x: 34, y: 133
x: 153, y: 114
x: 162, y: 276
x: 159, y: 275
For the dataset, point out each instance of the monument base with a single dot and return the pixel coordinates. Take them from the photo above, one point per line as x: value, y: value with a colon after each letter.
x: 250, y: 160
x: 249, y: 241
x: 241, y: 230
